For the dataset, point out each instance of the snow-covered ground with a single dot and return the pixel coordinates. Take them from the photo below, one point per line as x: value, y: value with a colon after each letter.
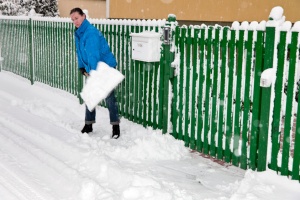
x: 43, y: 155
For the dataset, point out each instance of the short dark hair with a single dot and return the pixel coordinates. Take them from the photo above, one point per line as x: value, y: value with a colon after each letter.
x: 79, y: 10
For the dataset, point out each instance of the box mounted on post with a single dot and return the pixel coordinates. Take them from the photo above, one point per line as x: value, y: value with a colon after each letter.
x: 146, y: 46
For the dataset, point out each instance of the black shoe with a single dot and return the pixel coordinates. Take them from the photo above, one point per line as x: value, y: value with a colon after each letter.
x: 87, y: 128
x: 115, y: 132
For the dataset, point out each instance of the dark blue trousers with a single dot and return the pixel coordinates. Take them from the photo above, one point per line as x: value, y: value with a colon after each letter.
x: 111, y: 102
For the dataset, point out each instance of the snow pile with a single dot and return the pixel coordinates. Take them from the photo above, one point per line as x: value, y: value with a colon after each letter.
x: 254, y: 186
x: 99, y: 84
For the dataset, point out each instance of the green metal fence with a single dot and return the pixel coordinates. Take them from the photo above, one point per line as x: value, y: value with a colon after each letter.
x: 220, y: 105
x: 207, y: 89
x: 43, y: 49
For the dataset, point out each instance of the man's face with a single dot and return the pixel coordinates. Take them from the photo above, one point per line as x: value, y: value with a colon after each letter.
x: 77, y: 19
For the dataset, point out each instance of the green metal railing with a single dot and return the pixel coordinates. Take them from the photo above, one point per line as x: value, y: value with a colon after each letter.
x: 43, y: 49
x: 213, y: 74
x: 219, y: 107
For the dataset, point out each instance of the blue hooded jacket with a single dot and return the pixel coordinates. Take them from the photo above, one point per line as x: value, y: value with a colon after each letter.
x: 91, y: 48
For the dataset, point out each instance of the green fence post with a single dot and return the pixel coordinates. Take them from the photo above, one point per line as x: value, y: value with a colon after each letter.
x: 293, y: 47
x: 256, y: 106
x: 168, y: 58
x: 246, y: 108
x: 265, y: 101
x: 276, y: 129
x: 238, y: 101
x: 31, y: 52
x: 221, y: 125
x: 229, y: 115
x: 296, y: 160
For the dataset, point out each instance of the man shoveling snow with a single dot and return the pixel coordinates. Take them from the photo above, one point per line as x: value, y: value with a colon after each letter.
x: 91, y: 48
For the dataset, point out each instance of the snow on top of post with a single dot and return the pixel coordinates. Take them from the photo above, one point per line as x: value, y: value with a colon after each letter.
x: 276, y: 13
x: 244, y: 25
x: 253, y: 26
x: 276, y: 17
x: 296, y: 27
x: 286, y: 26
x: 261, y: 26
x: 235, y: 25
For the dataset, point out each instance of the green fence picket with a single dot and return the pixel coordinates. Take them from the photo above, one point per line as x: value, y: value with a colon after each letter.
x: 289, y: 105
x: 181, y: 83
x: 296, y: 160
x: 221, y: 119
x: 256, y: 105
x: 265, y: 97
x: 275, y: 131
x: 200, y: 100
x: 175, y: 83
x: 214, y: 113
x: 208, y: 83
x: 188, y: 68
x: 237, y: 108
x: 195, y: 67
x: 247, y: 102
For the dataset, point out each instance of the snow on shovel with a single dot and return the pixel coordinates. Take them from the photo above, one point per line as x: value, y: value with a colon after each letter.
x: 99, y: 84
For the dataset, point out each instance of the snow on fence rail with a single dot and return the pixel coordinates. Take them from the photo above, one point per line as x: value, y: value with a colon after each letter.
x: 216, y: 103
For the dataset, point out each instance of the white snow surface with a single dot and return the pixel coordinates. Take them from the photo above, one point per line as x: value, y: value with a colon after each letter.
x: 43, y: 155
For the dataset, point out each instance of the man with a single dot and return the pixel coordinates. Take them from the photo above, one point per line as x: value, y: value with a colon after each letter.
x: 91, y: 48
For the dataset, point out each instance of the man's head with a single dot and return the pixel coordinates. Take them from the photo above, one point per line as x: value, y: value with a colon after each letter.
x: 77, y: 16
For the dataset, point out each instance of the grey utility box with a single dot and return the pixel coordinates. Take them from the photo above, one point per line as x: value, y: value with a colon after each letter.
x: 146, y: 46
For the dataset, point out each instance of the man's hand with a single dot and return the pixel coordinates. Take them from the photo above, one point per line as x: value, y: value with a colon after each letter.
x: 83, y: 71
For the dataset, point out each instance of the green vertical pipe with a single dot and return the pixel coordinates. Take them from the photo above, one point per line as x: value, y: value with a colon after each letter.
x: 208, y: 82
x: 31, y: 52
x: 175, y: 89
x: 167, y: 57
x: 155, y: 96
x: 150, y: 99
x: 136, y: 87
x: 265, y: 99
x: 237, y: 109
x: 289, y: 105
x: 275, y: 131
x: 296, y: 158
x: 127, y: 72
x: 188, y: 69
x: 1, y: 41
x: 53, y: 51
x: 131, y: 86
x: 246, y: 111
x: 256, y: 106
x: 141, y: 75
x: 200, y: 89
x: 44, y: 55
x: 223, y: 43
x: 121, y: 60
x: 214, y: 114
x: 194, y: 92
x: 181, y: 82
x: 146, y: 69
